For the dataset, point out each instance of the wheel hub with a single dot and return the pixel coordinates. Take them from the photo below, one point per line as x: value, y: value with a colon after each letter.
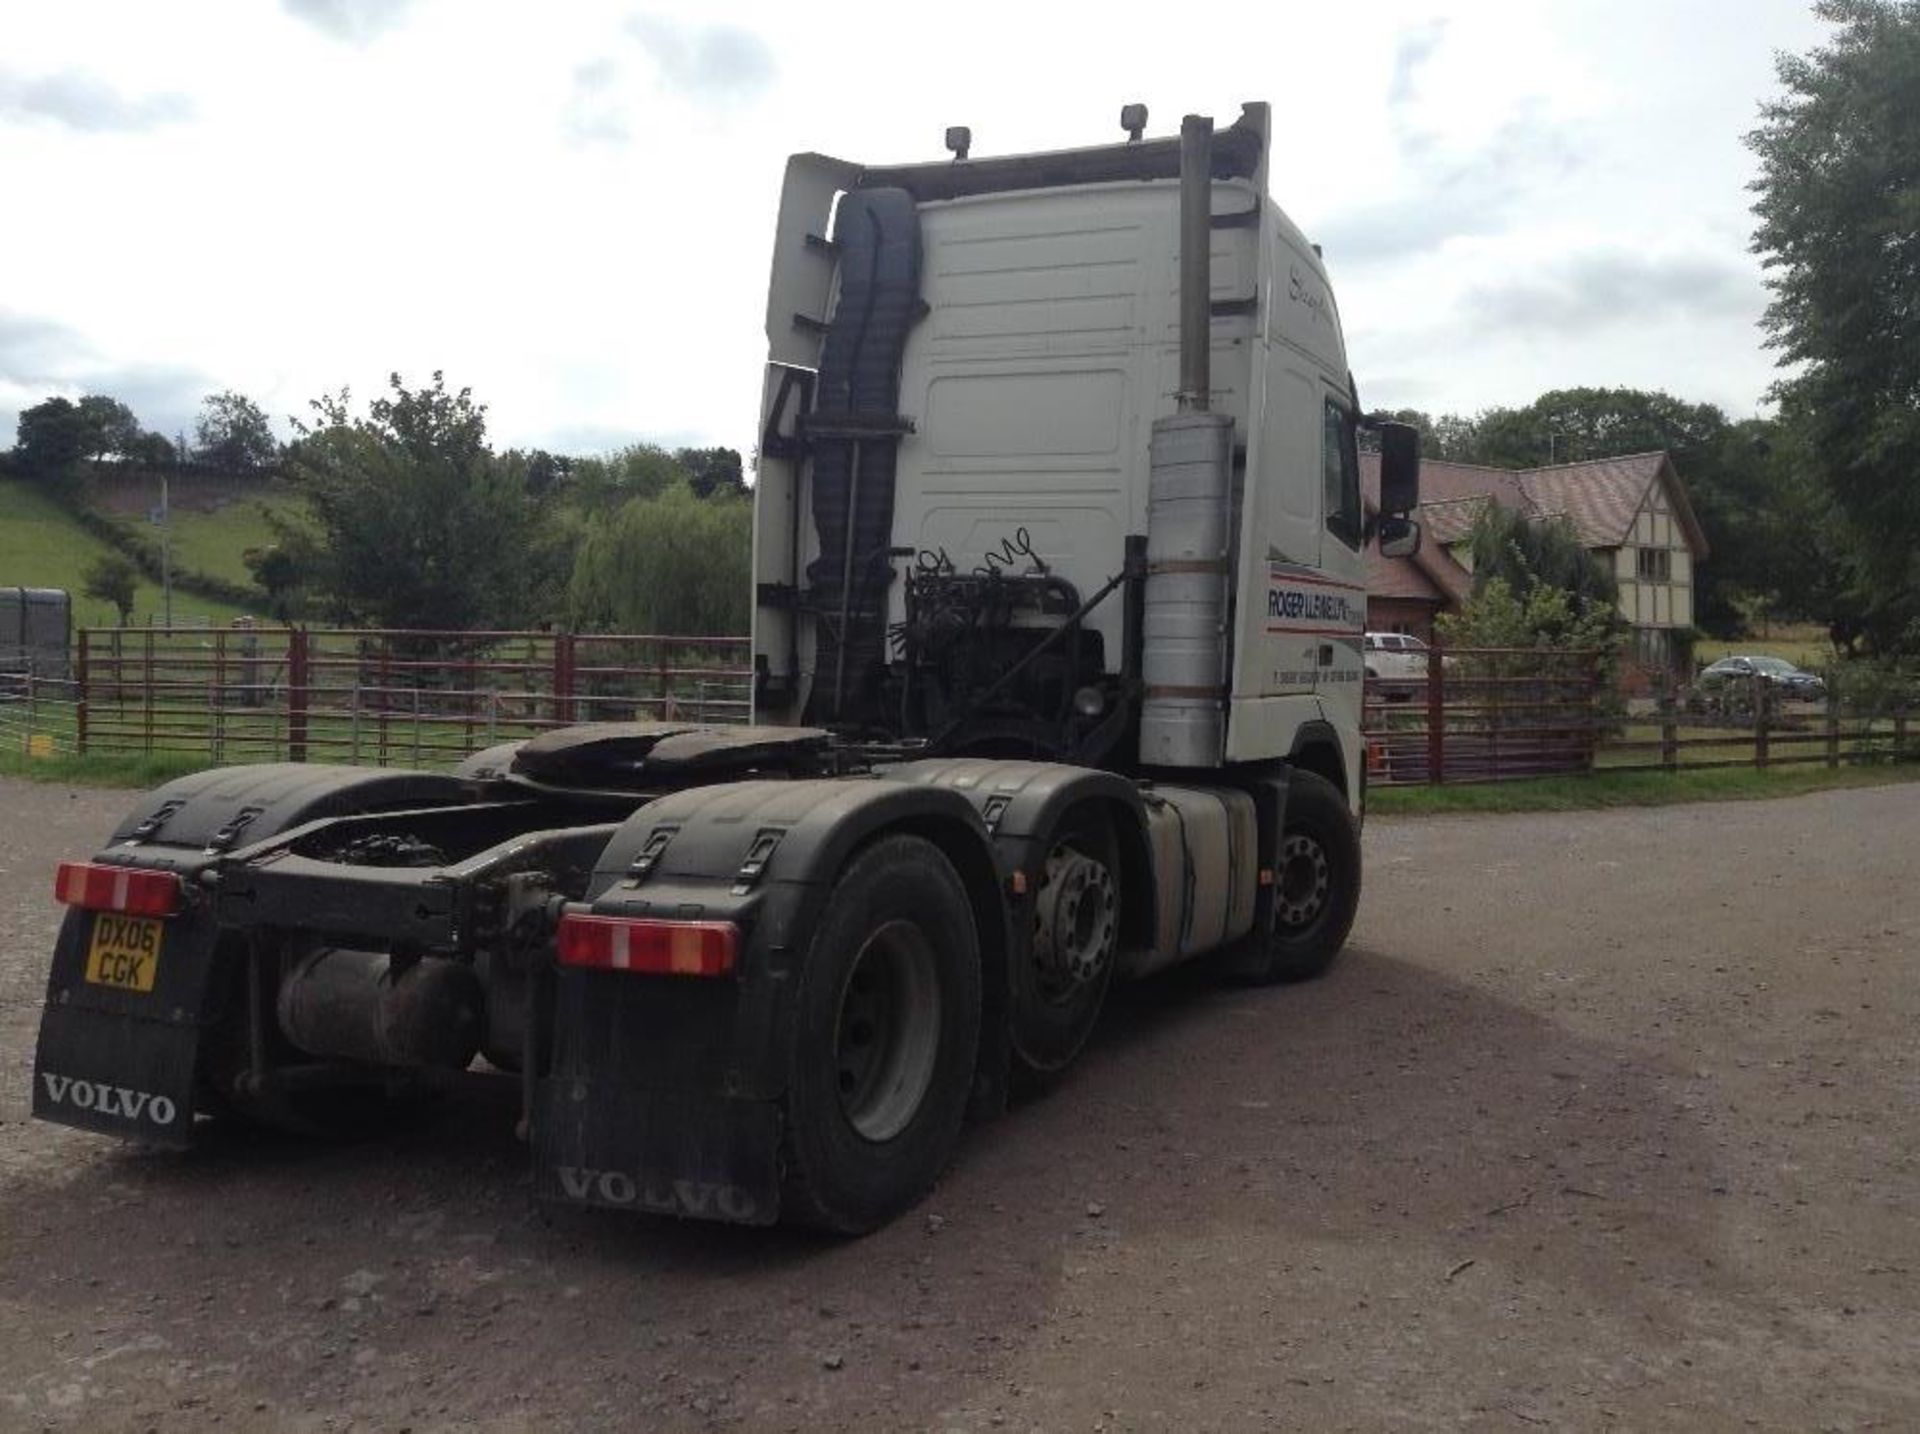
x: 1075, y: 922
x: 888, y: 1031
x: 1303, y: 882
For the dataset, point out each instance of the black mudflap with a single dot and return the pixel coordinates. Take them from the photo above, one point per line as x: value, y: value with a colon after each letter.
x: 116, y: 1074
x: 122, y: 1061
x: 671, y: 1152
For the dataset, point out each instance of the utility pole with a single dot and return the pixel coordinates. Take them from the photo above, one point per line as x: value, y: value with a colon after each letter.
x: 166, y: 553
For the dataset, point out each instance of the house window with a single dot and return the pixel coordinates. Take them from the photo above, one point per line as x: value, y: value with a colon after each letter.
x: 1340, y: 472
x: 1651, y: 647
x: 1654, y: 565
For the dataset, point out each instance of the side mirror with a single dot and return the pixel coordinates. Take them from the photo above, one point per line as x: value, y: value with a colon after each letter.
x: 1399, y: 537
x: 1399, y: 468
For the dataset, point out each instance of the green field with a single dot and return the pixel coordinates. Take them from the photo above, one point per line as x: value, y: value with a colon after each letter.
x: 42, y: 546
x: 215, y: 543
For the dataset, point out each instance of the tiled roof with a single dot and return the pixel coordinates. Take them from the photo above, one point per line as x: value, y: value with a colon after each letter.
x: 1450, y: 521
x: 1599, y: 497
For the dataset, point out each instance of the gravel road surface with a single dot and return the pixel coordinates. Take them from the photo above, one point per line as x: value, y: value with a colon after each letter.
x: 1605, y: 1120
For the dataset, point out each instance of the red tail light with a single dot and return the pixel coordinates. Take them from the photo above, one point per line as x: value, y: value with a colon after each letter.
x: 117, y: 888
x: 660, y: 948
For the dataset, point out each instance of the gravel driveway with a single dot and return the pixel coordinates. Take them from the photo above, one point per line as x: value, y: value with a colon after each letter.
x: 1605, y: 1120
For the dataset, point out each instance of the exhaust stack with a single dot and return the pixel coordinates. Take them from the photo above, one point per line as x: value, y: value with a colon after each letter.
x: 1196, y: 261
x: 1183, y: 709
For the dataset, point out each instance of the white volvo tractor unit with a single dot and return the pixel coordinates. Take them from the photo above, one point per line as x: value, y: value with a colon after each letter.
x: 1058, y: 611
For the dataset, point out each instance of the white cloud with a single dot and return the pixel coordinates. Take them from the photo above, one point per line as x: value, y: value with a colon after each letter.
x: 355, y: 21
x: 82, y: 102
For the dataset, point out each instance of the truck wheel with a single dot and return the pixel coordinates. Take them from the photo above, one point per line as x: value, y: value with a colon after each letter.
x: 1061, y: 981
x: 887, y: 1029
x: 1316, y: 883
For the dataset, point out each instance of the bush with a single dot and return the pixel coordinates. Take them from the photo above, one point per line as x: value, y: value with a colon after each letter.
x: 672, y: 564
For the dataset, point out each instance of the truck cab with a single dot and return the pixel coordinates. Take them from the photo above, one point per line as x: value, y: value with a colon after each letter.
x: 1057, y: 638
x: 971, y: 359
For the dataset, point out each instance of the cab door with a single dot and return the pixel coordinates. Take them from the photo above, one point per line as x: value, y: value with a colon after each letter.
x: 1338, y: 611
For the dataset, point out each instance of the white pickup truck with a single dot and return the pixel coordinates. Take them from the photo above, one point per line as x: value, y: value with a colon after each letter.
x: 1394, y: 657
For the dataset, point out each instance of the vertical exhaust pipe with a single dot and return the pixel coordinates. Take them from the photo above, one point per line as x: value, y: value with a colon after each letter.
x: 1185, y: 640
x: 1196, y: 268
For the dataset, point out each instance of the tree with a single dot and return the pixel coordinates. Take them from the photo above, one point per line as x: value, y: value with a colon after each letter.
x: 712, y: 472
x: 544, y: 472
x: 112, y: 430
x: 674, y: 563
x: 113, y: 578
x: 50, y: 437
x: 419, y: 525
x: 155, y: 450
x: 54, y: 435
x: 640, y: 470
x: 281, y: 570
x: 233, y: 432
x: 1838, y: 205
x: 1505, y: 546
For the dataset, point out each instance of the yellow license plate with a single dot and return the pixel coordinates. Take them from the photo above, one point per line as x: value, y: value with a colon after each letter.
x: 125, y: 953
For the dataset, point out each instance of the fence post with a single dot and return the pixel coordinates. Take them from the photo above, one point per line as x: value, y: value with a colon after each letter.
x: 1833, y: 734
x: 219, y: 693
x: 1436, y: 714
x: 297, y: 694
x: 1669, y: 730
x: 1899, y: 725
x: 146, y: 694
x: 563, y: 677
x: 1759, y: 721
x: 80, y: 707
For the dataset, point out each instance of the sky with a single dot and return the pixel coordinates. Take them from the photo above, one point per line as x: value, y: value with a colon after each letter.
x: 568, y: 207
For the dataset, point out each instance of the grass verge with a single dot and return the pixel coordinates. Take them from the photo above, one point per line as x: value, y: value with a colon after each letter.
x: 147, y: 771
x: 1630, y: 789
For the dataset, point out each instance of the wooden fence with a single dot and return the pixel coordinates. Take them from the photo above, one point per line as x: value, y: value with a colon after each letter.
x: 429, y: 698
x: 378, y: 696
x: 1496, y: 714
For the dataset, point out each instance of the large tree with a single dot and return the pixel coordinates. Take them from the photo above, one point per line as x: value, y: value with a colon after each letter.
x: 232, y: 432
x: 55, y: 434
x: 419, y: 524
x: 112, y: 430
x: 1839, y: 229
x: 673, y: 563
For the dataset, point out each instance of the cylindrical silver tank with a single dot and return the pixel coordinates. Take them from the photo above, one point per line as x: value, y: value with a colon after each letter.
x: 1189, y: 525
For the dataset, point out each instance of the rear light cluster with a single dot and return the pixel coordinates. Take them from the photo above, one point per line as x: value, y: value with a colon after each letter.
x: 648, y: 946
x: 124, y: 889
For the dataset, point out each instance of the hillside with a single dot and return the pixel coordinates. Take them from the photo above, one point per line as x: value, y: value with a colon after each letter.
x: 41, y: 545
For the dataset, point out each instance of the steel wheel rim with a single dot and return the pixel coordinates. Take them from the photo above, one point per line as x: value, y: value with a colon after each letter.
x: 1303, y: 882
x: 886, y: 1032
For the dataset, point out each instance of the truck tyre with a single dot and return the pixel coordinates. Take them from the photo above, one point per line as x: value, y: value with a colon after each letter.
x: 1060, y: 983
x: 1316, y: 883
x: 887, y: 1026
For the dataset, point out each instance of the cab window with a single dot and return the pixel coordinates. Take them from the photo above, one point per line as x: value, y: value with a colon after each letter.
x: 1340, y: 470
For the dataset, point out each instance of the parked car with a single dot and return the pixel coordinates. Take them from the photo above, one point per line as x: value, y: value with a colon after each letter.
x: 1395, y: 659
x: 1781, y: 676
